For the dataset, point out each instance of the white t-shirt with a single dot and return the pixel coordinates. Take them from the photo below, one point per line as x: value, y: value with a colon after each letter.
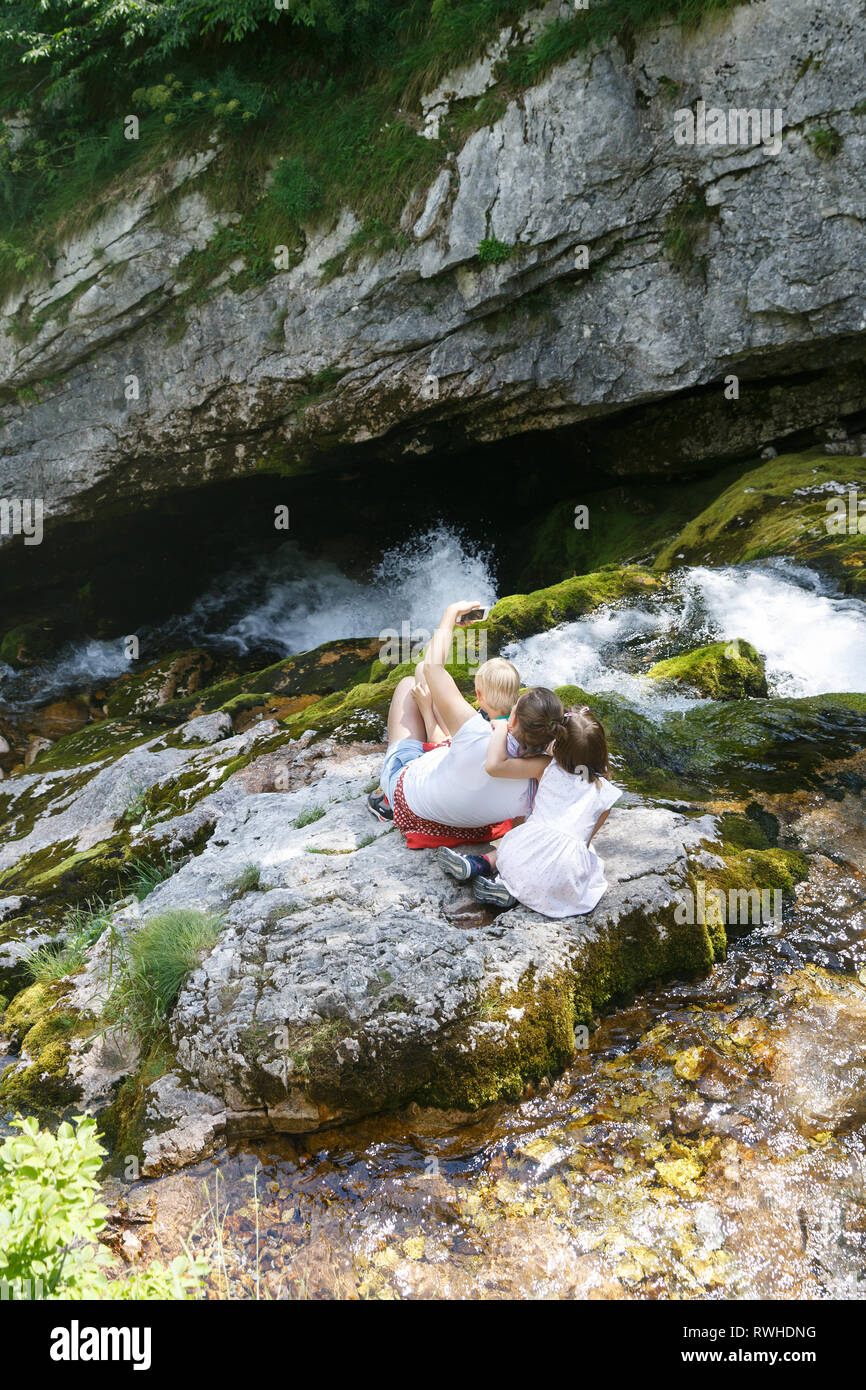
x: 452, y: 786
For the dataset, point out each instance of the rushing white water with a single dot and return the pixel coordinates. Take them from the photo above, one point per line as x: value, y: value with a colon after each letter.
x: 813, y: 641
x: 295, y: 605
x: 287, y: 603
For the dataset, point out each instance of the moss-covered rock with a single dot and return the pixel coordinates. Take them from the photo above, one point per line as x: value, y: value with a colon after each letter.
x: 720, y: 671
x: 23, y: 645
x: 175, y: 676
x: 361, y: 713
x: 625, y: 524
x: 522, y: 615
x: 781, y: 508
x: 764, y: 745
x: 122, y: 1122
x: 42, y: 1025
x: 279, y: 690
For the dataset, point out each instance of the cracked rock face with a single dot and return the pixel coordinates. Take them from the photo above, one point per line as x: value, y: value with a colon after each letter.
x: 431, y: 347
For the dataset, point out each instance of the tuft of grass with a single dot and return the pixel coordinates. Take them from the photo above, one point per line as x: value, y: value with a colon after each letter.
x: 684, y: 226
x: 144, y: 877
x: 154, y: 963
x: 825, y: 141
x: 308, y: 817
x: 247, y: 881
x: 82, y: 925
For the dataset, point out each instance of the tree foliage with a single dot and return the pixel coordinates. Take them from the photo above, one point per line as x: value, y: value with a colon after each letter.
x: 72, y: 41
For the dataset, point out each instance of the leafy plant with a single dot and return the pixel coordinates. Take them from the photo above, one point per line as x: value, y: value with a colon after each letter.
x: 51, y: 1219
x: 491, y: 251
x: 825, y: 141
x: 684, y: 226
x: 309, y: 817
x: 294, y: 191
x: 154, y: 963
x: 349, y: 72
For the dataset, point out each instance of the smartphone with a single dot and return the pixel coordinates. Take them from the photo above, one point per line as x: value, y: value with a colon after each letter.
x: 475, y: 615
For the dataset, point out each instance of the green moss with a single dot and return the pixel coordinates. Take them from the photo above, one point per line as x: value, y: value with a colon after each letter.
x: 44, y: 1029
x: 529, y: 1032
x: 780, y: 508
x: 329, y: 668
x: 362, y: 711
x: 522, y: 615
x: 764, y: 745
x: 627, y: 523
x: 102, y: 742
x: 759, y: 868
x: 720, y: 671
x: 22, y: 645
x: 753, y: 829
x: 122, y: 1123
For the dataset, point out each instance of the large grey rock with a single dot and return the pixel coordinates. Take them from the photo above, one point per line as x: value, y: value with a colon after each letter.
x: 585, y: 158
x: 346, y: 981
x: 349, y: 986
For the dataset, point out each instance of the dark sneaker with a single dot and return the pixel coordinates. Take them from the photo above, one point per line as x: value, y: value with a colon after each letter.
x: 457, y: 865
x: 379, y: 806
x: 493, y: 891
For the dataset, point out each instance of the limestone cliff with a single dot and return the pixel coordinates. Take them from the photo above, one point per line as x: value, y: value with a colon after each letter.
x: 702, y: 261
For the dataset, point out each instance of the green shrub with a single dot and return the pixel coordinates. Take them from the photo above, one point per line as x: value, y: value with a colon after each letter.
x: 294, y: 191
x: 51, y: 1219
x: 493, y: 252
x: 154, y: 963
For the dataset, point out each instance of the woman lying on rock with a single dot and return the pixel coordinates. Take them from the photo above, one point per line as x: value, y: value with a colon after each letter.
x: 547, y: 863
x: 448, y: 792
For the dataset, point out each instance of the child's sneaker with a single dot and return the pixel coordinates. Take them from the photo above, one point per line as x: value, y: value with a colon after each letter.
x: 462, y: 866
x: 457, y: 865
x: 379, y: 806
x: 494, y: 892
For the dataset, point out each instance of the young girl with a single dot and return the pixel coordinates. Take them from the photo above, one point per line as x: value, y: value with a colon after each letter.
x: 547, y: 863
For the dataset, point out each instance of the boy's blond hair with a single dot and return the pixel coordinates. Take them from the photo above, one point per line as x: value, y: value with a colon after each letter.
x: 498, y: 683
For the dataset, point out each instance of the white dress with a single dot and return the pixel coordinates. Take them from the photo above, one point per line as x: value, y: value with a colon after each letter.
x: 547, y: 863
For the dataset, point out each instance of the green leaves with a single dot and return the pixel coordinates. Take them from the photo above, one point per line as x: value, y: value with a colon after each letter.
x: 51, y: 1219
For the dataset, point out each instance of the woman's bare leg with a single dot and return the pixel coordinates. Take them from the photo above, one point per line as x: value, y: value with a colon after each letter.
x: 404, y: 716
x: 436, y: 733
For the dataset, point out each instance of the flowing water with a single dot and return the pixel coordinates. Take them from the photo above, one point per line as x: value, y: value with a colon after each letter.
x: 813, y: 641
x: 287, y: 603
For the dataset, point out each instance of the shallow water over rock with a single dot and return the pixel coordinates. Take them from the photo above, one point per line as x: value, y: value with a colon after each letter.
x: 710, y: 1142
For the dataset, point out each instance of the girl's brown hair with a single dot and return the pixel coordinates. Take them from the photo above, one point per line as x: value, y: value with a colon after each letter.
x: 579, y: 744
